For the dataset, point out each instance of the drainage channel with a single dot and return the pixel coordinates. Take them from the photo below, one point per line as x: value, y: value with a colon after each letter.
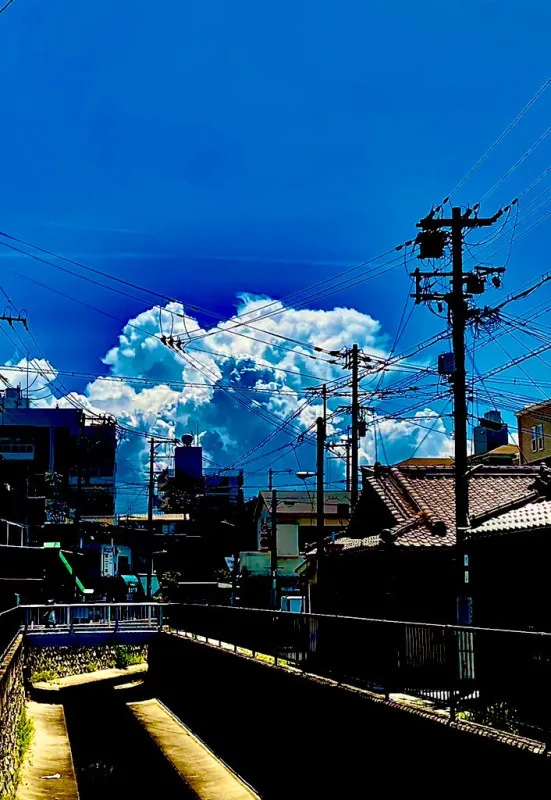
x: 113, y: 755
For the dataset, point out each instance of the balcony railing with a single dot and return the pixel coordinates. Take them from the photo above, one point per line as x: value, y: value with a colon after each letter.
x: 497, y: 677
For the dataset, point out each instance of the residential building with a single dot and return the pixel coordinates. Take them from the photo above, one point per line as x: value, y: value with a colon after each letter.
x: 534, y: 433
x: 397, y: 559
x: 504, y: 455
x: 297, y: 511
x: 296, y: 528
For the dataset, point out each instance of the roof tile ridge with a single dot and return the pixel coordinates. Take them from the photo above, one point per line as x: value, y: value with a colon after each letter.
x: 405, y: 486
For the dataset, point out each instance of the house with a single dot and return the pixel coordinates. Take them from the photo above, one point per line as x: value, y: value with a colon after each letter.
x: 296, y: 528
x: 297, y: 511
x: 510, y: 554
x: 397, y: 559
x: 534, y: 433
x: 504, y: 455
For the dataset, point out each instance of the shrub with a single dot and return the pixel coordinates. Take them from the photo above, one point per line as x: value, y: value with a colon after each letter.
x: 125, y: 656
x: 44, y: 676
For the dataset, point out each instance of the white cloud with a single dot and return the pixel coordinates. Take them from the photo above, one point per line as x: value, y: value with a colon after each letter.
x: 231, y: 423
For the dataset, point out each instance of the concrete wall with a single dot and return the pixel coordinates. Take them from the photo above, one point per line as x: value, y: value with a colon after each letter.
x: 293, y: 736
x: 12, y: 699
x: 57, y: 662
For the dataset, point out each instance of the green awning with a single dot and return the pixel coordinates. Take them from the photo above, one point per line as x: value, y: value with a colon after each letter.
x: 130, y: 580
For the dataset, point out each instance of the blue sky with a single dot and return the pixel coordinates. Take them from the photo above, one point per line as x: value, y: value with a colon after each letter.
x: 207, y: 148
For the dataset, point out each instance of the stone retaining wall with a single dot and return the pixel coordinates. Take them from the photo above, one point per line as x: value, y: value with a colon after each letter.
x: 12, y: 701
x: 49, y: 663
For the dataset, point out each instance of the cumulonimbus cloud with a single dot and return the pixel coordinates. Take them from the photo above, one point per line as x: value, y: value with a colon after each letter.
x: 206, y: 385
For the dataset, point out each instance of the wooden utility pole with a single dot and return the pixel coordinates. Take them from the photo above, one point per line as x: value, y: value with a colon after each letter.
x: 270, y: 479
x: 432, y: 241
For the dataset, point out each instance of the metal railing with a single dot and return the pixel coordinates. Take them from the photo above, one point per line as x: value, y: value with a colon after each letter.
x: 80, y: 617
x: 500, y: 678
x: 10, y: 625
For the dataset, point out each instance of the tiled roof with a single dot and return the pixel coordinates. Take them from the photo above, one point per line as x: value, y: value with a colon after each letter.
x: 424, y: 496
x: 427, y: 462
x: 528, y: 517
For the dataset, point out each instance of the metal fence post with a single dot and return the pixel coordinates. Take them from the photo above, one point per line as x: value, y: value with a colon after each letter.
x: 452, y: 666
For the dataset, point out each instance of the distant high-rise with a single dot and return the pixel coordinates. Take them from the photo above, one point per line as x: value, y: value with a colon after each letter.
x: 491, y: 432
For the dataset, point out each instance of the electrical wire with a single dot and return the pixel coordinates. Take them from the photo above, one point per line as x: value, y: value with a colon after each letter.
x: 498, y: 141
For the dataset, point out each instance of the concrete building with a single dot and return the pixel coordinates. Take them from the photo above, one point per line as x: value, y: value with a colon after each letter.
x: 56, y: 459
x: 491, y: 432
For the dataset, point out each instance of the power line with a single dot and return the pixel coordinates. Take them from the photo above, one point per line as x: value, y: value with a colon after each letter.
x: 6, y: 5
x: 516, y: 165
x: 498, y: 141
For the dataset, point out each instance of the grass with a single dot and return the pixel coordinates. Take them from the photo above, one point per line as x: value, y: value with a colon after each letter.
x: 44, y: 676
x: 25, y: 733
x: 125, y: 656
x: 499, y: 715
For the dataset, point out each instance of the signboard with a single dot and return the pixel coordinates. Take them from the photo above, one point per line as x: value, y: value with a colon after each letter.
x: 107, y: 561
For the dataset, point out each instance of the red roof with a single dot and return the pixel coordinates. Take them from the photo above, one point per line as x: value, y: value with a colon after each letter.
x: 421, y: 500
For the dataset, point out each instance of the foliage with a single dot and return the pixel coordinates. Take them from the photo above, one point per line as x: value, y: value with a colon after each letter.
x: 222, y: 575
x: 25, y: 733
x: 499, y: 715
x: 169, y: 584
x: 92, y: 666
x: 44, y: 676
x: 125, y: 656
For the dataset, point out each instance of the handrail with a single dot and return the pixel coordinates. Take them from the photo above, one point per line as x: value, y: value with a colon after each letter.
x: 9, y: 610
x: 428, y: 625
x: 91, y: 605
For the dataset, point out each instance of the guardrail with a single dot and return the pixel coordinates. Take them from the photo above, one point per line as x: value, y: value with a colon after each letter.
x: 10, y: 625
x: 80, y: 617
x: 496, y: 677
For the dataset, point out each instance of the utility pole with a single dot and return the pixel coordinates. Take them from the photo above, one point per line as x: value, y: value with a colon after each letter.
x: 320, y: 509
x: 78, y: 503
x: 458, y: 308
x: 432, y: 241
x: 355, y: 426
x: 347, y: 447
x: 270, y: 479
x: 150, y: 535
x: 273, y: 549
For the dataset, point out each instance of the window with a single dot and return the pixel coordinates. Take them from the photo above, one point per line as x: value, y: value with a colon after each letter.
x: 537, y: 437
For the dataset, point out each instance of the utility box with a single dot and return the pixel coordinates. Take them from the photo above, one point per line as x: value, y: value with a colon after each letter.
x: 446, y: 364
